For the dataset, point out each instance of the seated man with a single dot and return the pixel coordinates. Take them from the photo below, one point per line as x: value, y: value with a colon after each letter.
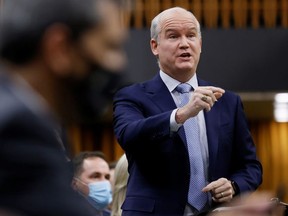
x: 91, y: 180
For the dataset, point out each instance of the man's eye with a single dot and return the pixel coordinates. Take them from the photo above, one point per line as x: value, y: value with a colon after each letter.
x: 172, y: 36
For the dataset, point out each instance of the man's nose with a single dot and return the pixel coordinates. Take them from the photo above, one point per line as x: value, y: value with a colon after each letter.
x: 184, y: 42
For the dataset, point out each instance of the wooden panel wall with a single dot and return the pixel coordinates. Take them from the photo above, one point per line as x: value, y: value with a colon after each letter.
x: 271, y: 139
x: 215, y: 13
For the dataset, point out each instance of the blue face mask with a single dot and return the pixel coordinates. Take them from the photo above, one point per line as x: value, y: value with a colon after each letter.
x: 100, y: 194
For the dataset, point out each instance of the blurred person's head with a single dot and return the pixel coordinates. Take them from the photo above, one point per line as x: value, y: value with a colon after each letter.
x: 176, y: 42
x: 68, y: 51
x: 91, y: 178
x: 120, y: 185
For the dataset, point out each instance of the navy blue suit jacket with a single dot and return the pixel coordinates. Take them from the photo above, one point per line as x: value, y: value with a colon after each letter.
x: 158, y: 160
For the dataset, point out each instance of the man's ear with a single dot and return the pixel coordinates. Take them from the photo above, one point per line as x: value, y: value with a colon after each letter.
x: 56, y: 49
x: 79, y: 186
x: 154, y: 46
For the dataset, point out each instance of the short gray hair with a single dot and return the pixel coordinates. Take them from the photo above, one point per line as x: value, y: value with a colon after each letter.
x: 155, y: 28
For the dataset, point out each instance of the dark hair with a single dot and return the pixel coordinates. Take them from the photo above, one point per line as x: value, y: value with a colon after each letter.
x: 23, y: 23
x: 112, y: 164
x: 78, y: 160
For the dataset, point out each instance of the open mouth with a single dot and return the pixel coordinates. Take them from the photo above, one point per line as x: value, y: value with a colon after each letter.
x: 185, y: 55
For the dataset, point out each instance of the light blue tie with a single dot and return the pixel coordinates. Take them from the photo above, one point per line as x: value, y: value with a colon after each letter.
x: 196, y: 197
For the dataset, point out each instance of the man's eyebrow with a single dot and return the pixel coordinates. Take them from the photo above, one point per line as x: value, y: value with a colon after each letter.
x: 95, y: 173
x: 170, y: 30
x: 193, y: 29
x: 175, y: 29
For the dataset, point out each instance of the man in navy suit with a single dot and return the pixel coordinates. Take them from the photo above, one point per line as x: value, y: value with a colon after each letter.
x: 50, y: 50
x: 149, y: 124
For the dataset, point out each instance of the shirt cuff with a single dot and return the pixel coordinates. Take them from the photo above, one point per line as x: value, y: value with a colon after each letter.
x: 174, y: 127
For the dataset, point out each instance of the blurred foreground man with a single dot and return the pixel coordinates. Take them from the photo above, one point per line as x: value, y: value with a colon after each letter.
x: 51, y: 54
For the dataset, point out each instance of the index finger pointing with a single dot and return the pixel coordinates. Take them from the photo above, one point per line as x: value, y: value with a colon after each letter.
x: 209, y: 187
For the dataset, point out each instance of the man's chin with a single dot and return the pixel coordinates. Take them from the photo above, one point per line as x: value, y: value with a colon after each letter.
x: 186, y: 68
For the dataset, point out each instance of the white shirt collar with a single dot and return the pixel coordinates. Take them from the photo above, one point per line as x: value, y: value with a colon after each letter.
x: 171, y: 83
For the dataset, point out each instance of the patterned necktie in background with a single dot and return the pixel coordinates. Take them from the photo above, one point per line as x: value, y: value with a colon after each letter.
x: 196, y: 197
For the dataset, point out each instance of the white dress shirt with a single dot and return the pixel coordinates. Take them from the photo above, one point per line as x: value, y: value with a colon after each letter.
x: 171, y: 85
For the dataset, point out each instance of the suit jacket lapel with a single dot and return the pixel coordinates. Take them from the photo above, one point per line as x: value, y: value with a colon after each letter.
x: 212, y: 129
x: 160, y: 95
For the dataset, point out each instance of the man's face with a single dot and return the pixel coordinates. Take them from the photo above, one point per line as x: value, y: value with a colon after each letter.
x: 94, y: 169
x: 178, y: 46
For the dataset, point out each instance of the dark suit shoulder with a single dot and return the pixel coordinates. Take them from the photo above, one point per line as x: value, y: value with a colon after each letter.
x: 35, y: 179
x: 150, y: 86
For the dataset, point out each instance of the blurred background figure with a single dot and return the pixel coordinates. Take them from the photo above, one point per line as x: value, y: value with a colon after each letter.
x: 54, y: 56
x: 120, y: 185
x: 91, y: 180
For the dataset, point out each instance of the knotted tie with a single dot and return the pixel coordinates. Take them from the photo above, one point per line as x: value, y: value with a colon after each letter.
x: 196, y: 197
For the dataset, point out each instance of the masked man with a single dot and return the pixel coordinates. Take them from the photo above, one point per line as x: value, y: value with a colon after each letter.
x: 91, y: 180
